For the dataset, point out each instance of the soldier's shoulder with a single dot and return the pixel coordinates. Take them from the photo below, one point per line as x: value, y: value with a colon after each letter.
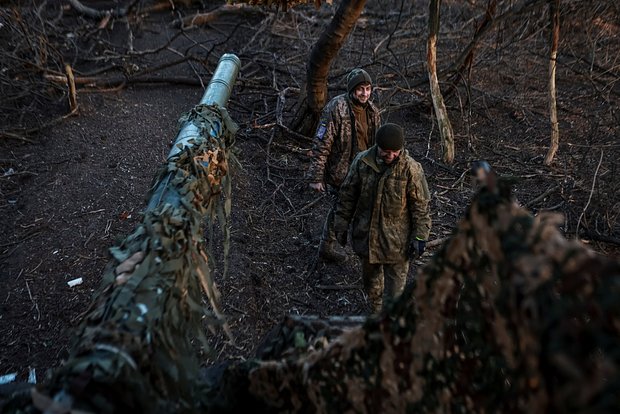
x: 361, y: 155
x: 334, y: 109
x: 337, y: 102
x: 412, y: 164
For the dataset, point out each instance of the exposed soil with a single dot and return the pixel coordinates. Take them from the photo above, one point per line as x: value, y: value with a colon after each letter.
x: 80, y: 185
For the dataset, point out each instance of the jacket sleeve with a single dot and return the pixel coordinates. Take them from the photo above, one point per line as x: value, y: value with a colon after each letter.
x: 347, y: 197
x: 418, y: 198
x: 324, y: 138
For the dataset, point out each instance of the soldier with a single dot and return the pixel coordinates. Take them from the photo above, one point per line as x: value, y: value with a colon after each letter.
x: 347, y: 126
x: 385, y: 197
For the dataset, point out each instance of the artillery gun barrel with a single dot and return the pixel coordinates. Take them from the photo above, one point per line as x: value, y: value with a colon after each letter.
x: 135, y: 346
x: 217, y: 93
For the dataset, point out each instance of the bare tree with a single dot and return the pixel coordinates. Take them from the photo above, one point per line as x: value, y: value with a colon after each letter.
x: 554, y: 12
x: 445, y: 128
x: 321, y: 56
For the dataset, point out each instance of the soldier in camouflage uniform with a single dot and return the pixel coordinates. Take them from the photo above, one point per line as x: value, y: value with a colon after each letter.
x: 385, y: 197
x: 347, y: 126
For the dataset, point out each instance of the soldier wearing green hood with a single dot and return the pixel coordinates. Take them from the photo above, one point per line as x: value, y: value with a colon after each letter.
x: 347, y: 126
x: 385, y: 200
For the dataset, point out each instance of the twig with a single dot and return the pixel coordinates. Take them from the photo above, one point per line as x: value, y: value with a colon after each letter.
x: 337, y: 287
x: 307, y: 206
x: 27, y: 237
x: 72, y: 90
x: 549, y: 191
x: 590, y: 197
x: 200, y: 19
x: 36, y: 306
x: 101, y: 14
x: 11, y: 135
x: 236, y: 309
x: 16, y: 134
x: 602, y: 238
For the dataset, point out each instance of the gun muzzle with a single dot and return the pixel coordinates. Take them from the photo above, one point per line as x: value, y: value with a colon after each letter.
x: 220, y: 87
x: 217, y: 93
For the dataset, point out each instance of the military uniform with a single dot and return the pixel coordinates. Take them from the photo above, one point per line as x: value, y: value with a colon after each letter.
x: 337, y: 141
x: 387, y: 207
x: 345, y: 129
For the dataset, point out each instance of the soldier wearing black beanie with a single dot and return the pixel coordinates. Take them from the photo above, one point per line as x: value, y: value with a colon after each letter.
x: 384, y: 201
x: 390, y: 137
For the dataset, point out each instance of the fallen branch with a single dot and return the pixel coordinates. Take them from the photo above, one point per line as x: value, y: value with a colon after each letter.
x: 201, y: 19
x: 72, y: 90
x: 541, y: 197
x: 338, y: 287
x: 601, y: 237
x: 101, y: 14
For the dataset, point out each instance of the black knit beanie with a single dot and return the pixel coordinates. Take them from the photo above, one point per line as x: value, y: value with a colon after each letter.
x: 355, y: 77
x: 390, y: 137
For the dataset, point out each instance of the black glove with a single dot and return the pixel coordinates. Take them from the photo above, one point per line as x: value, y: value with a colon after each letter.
x: 417, y: 248
x: 341, y: 236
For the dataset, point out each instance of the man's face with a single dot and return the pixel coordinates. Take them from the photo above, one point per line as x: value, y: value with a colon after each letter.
x: 362, y: 92
x: 388, y: 156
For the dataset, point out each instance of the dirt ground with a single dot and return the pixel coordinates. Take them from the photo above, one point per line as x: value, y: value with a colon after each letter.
x: 75, y: 188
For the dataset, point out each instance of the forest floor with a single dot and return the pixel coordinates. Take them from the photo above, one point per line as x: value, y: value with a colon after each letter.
x: 72, y: 190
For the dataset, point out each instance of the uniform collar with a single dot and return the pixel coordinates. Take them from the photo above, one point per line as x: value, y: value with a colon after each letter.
x: 370, y: 158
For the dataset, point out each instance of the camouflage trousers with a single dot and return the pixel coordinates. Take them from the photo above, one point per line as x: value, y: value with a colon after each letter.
x: 383, y: 281
x: 329, y: 235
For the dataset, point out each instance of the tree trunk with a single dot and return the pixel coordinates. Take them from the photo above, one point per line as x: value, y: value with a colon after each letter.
x: 321, y: 56
x: 445, y: 128
x: 554, y: 13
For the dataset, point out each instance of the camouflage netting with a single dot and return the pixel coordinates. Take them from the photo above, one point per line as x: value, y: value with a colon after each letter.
x: 135, y: 347
x: 508, y: 317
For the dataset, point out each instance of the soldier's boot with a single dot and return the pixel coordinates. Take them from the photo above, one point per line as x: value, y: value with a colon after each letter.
x: 330, y: 251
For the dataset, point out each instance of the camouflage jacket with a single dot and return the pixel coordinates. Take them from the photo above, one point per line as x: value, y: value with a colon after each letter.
x: 387, y: 206
x: 335, y: 141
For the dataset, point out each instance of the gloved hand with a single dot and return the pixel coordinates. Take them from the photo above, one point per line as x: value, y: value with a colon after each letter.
x: 417, y: 248
x: 341, y: 236
x: 318, y: 187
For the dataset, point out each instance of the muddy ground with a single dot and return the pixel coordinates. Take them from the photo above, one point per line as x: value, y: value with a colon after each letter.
x: 73, y: 189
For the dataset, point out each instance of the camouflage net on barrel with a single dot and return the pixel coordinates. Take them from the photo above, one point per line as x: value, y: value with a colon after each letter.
x: 508, y: 317
x: 136, y: 345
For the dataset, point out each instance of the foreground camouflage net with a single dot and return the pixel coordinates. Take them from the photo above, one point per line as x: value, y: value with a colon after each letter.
x: 508, y: 317
x: 134, y: 347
